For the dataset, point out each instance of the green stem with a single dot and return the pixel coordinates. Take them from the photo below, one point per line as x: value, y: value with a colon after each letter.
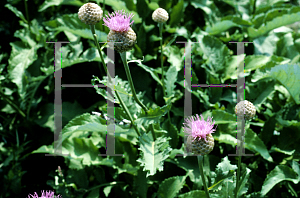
x: 128, y: 113
x: 27, y: 15
x: 123, y: 57
x: 153, y: 132
x: 200, y: 163
x: 103, y: 13
x: 12, y: 104
x: 98, y: 47
x: 238, y: 176
x: 160, y: 25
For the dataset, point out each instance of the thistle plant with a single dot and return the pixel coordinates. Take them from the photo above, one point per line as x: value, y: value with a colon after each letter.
x: 124, y: 23
x: 160, y: 16
x: 200, y: 140
x: 49, y: 194
x: 120, y: 31
x: 244, y: 109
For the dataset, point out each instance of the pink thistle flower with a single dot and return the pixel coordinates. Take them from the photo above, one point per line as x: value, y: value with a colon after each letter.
x: 198, y: 128
x: 118, y: 21
x: 49, y: 194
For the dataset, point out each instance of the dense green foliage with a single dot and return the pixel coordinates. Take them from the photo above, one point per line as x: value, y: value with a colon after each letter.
x: 148, y: 167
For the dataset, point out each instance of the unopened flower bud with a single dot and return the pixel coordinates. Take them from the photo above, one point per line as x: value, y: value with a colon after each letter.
x: 160, y: 15
x: 90, y: 13
x: 246, y: 109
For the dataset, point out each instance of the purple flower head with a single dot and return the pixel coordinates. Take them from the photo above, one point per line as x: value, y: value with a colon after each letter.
x: 118, y: 21
x: 47, y: 195
x: 198, y: 128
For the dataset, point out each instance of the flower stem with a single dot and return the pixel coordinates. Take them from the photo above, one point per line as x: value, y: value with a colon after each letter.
x: 123, y: 57
x: 98, y: 47
x: 160, y: 25
x: 238, y: 176
x: 200, y: 163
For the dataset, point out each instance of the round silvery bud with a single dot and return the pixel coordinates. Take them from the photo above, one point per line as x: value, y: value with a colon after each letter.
x: 246, y: 109
x: 90, y: 13
x: 160, y: 15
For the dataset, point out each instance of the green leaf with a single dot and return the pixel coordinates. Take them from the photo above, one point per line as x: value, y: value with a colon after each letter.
x: 225, y: 24
x: 151, y: 71
x: 71, y: 23
x: 278, y: 174
x: 124, y: 91
x: 276, y: 22
x: 171, y: 78
x: 172, y: 133
x: 177, y: 13
x: 193, y: 194
x: 140, y: 185
x: 175, y: 57
x: 243, y: 185
x: 254, y: 62
x: 17, y: 68
x: 223, y: 171
x: 153, y: 153
x: 231, y: 66
x: 16, y: 12
x: 289, y: 77
x: 88, y: 122
x: 152, y: 115
x: 73, y: 54
x: 254, y: 143
x: 171, y: 186
x: 215, y: 52
x: 223, y: 117
x: 50, y: 3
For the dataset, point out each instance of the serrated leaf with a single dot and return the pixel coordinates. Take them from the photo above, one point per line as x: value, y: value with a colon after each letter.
x: 171, y: 186
x: 124, y: 91
x: 243, y: 187
x: 223, y: 171
x: 152, y: 157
